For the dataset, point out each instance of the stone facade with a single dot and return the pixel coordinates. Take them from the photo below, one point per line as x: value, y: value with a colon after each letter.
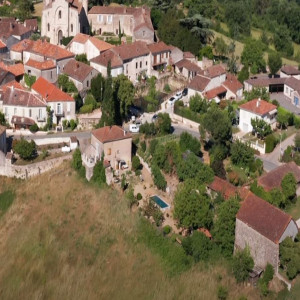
x: 2, y: 139
x: 63, y: 18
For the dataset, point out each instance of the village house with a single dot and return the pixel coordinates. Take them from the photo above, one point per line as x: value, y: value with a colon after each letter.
x: 262, y: 227
x: 89, y: 45
x: 80, y: 73
x: 23, y: 109
x: 46, y: 69
x: 160, y: 56
x: 289, y: 71
x: 259, y: 109
x: 112, y: 143
x: 222, y: 187
x: 5, y: 76
x: 64, y: 18
x: 292, y: 90
x: 234, y: 87
x: 62, y: 105
x: 131, y: 21
x: 274, y: 178
x: 16, y: 69
x: 187, y: 69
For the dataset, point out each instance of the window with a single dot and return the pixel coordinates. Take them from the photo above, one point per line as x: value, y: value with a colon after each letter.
x: 23, y: 112
x: 140, y: 64
x: 48, y: 25
x: 15, y: 111
x: 87, y: 83
x: 29, y: 72
x: 109, y: 19
x: 71, y: 27
x: 59, y: 14
x: 100, y: 18
x: 126, y: 69
x: 68, y: 107
x: 51, y: 75
x: 286, y: 90
x: 59, y: 108
x: 143, y: 32
x: 29, y: 113
x: 136, y: 65
x: 40, y: 114
x: 6, y: 111
x: 146, y: 63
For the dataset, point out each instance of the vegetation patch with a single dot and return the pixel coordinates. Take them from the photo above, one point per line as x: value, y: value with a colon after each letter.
x: 6, y: 200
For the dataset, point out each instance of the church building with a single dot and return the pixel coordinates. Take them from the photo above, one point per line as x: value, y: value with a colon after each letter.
x: 64, y: 18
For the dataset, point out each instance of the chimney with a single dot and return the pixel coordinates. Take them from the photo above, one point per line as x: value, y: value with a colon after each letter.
x: 258, y: 102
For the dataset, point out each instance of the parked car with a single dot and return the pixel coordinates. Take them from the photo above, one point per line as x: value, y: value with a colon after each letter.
x: 184, y: 92
x: 172, y: 100
x: 138, y: 123
x: 134, y: 128
x: 123, y: 165
x: 66, y: 149
x: 178, y: 95
x: 154, y: 118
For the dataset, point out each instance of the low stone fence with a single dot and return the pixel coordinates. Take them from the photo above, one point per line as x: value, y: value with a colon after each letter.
x: 52, y: 140
x: 177, y: 118
x: 27, y: 171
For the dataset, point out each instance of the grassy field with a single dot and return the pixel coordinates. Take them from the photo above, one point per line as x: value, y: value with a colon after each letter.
x: 64, y: 239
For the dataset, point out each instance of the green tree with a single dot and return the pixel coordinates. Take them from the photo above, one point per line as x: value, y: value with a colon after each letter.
x: 192, y: 206
x: 90, y: 100
x: 283, y: 41
x: 26, y: 150
x: 296, y: 139
x: 252, y: 56
x: 188, y: 142
x: 244, y: 74
x: 198, y: 104
x: 25, y: 9
x: 163, y: 123
x: 242, y: 264
x: 257, y: 93
x: 136, y: 163
x: 29, y: 80
x: 49, y: 123
x: 282, y: 118
x: 224, y: 227
x: 97, y: 87
x: 220, y: 46
x: 242, y: 155
x: 207, y: 52
x: 274, y: 62
x: 2, y: 119
x: 65, y: 84
x: 152, y: 96
x: 99, y: 176
x: 261, y: 127
x: 158, y: 178
x: 289, y: 186
x: 82, y: 58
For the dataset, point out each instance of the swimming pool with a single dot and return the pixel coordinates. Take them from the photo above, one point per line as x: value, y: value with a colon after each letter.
x: 160, y: 202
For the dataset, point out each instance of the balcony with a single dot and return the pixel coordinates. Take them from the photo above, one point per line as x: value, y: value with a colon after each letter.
x: 40, y: 119
x: 59, y: 113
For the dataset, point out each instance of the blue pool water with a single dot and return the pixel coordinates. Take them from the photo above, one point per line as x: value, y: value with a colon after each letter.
x: 159, y: 202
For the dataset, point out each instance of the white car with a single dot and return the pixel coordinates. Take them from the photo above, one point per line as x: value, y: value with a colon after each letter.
x: 66, y: 149
x: 172, y: 100
x: 134, y: 128
x: 178, y: 95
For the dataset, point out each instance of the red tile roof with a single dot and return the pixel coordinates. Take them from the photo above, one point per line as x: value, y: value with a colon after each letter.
x: 185, y: 63
x: 205, y: 232
x: 263, y: 217
x: 110, y: 133
x: 80, y: 38
x: 50, y: 92
x: 22, y: 45
x: 222, y: 186
x: 100, y: 45
x: 199, y: 83
x: 77, y: 70
x: 273, y: 178
x: 232, y: 83
x: 17, y: 120
x: 107, y: 56
x: 31, y: 24
x: 265, y: 82
x: 14, y: 84
x: 159, y: 47
x: 214, y: 71
x: 2, y: 45
x: 213, y: 93
x: 45, y: 65
x: 290, y: 70
x: 293, y: 83
x: 188, y: 54
x: 17, y: 97
x: 259, y: 107
x: 17, y: 69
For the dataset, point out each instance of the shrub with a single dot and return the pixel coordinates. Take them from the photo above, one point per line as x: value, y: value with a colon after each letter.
x: 130, y: 197
x: 188, y: 142
x: 73, y: 124
x: 136, y: 163
x: 45, y: 154
x: 222, y: 292
x: 242, y: 264
x: 167, y: 229
x: 143, y: 146
x: 26, y: 150
x: 99, y: 173
x: 90, y: 100
x: 271, y: 143
x: 139, y: 196
x: 77, y: 163
x: 167, y: 88
x: 34, y: 128
x: 86, y: 109
x: 265, y: 279
x: 153, y: 145
x: 65, y: 124
x: 158, y: 178
x: 148, y: 129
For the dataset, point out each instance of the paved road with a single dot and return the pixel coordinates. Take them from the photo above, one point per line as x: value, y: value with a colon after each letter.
x: 179, y: 129
x: 271, y: 160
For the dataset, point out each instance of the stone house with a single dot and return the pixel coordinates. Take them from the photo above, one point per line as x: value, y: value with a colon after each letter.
x: 64, y: 18
x: 22, y: 108
x: 292, y: 90
x: 159, y: 56
x: 289, y: 71
x: 5, y: 76
x: 80, y: 73
x: 131, y: 21
x: 111, y: 141
x: 91, y: 46
x: 62, y: 105
x: 259, y: 109
x: 45, y: 69
x: 16, y: 69
x: 262, y: 227
x: 187, y: 69
x: 234, y: 87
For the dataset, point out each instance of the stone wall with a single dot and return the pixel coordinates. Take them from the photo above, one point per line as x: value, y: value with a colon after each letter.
x: 262, y: 250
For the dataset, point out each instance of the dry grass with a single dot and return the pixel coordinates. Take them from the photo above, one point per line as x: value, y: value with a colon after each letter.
x: 64, y: 239
x: 38, y: 9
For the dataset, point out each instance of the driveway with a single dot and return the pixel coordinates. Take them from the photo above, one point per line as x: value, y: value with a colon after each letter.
x: 285, y: 102
x: 271, y: 160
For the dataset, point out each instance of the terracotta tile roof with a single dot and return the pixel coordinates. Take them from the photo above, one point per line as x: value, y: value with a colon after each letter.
x: 22, y: 45
x: 80, y: 38
x: 100, y: 45
x: 107, y: 56
x: 14, y: 84
x: 184, y: 63
x: 159, y: 47
x: 214, y: 71
x: 77, y: 70
x: 290, y: 70
x: 9, y: 28
x: 44, y: 65
x: 263, y: 217
x: 199, y: 83
x: 2, y: 45
x: 17, y: 69
x: 265, y: 82
x: 225, y: 188
x: 232, y: 83
x: 205, y: 232
x: 49, y: 92
x: 110, y: 133
x: 273, y: 178
x: 129, y: 51
x: 17, y: 97
x: 262, y: 108
x: 31, y: 24
x: 293, y: 83
x: 17, y: 120
x: 213, y: 93
x: 4, y: 74
x: 2, y: 129
x: 188, y: 54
